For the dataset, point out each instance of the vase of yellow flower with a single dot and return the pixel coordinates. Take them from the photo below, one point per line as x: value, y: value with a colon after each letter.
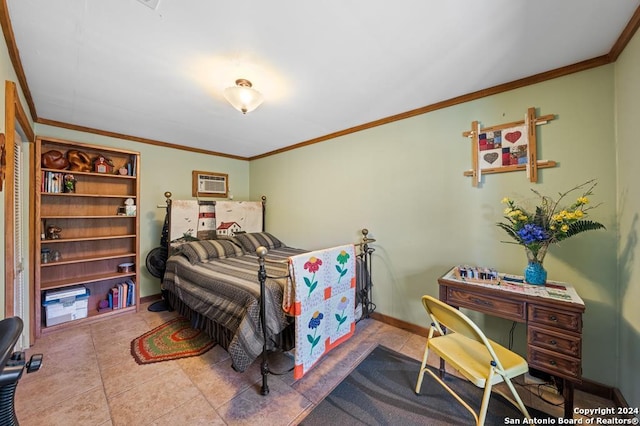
x: 549, y: 224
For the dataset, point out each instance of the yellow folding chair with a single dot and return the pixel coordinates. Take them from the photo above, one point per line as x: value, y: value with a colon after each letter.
x: 465, y: 347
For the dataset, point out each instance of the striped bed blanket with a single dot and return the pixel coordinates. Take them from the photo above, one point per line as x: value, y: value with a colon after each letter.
x: 215, y: 284
x: 227, y: 291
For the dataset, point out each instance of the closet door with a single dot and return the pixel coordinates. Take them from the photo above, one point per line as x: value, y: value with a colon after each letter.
x: 20, y: 275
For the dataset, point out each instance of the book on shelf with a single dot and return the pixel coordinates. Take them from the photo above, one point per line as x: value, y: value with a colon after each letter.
x: 131, y: 298
x: 52, y: 182
x: 114, y: 297
x: 122, y: 295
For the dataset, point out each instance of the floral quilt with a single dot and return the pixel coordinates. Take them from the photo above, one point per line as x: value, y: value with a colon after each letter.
x: 323, y: 291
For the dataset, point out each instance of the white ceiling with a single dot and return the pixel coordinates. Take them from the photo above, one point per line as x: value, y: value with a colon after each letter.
x: 121, y: 66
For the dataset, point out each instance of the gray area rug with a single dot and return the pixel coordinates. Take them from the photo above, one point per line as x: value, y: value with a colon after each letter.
x: 380, y: 391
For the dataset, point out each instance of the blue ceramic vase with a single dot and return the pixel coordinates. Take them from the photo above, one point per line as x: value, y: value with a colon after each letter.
x: 535, y: 273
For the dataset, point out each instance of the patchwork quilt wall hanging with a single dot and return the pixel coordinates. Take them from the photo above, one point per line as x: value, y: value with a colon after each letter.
x: 507, y: 147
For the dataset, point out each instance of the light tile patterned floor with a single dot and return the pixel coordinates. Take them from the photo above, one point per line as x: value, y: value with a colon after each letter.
x: 89, y: 377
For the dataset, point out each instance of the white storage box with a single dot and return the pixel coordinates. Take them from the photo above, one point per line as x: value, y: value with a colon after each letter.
x: 67, y: 308
x: 63, y: 293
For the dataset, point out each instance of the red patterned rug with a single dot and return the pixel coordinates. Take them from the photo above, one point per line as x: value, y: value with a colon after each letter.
x: 172, y: 340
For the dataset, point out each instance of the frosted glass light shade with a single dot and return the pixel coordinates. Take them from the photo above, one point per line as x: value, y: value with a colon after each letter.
x: 243, y: 97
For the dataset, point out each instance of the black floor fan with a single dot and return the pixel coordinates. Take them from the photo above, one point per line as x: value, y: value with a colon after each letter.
x: 157, y: 262
x: 156, y: 265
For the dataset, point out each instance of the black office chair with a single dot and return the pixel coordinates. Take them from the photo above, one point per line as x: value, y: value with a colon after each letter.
x: 11, y: 367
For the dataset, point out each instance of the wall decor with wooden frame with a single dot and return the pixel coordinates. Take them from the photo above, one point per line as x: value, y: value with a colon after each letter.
x: 507, y: 147
x: 209, y: 184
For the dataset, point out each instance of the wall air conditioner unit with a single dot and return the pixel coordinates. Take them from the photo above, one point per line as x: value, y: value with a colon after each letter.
x: 207, y: 184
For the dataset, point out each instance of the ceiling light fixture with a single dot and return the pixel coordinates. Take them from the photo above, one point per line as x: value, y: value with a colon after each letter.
x: 243, y: 97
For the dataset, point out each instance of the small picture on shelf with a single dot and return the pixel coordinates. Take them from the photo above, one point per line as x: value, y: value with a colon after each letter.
x: 69, y: 183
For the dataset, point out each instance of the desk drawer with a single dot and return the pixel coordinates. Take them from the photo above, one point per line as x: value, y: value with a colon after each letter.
x: 571, y: 321
x: 511, y: 310
x: 557, y: 342
x: 554, y: 363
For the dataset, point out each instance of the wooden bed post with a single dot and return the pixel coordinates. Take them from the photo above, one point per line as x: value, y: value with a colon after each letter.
x: 262, y: 277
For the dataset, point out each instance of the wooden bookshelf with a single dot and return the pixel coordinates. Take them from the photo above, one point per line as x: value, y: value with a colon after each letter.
x: 96, y: 233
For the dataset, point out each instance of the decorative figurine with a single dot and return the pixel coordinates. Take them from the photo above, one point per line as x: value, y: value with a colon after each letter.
x: 79, y: 161
x: 53, y: 232
x: 102, y: 164
x: 129, y: 207
x: 54, y: 160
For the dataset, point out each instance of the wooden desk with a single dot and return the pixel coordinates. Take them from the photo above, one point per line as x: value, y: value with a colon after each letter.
x: 553, y: 318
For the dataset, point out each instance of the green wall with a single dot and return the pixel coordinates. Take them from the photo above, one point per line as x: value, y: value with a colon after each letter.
x: 404, y: 182
x: 627, y: 113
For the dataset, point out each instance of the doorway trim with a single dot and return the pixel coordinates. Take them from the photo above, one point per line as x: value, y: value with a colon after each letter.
x: 14, y: 116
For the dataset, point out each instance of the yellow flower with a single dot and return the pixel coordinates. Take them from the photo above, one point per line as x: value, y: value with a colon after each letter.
x: 549, y: 223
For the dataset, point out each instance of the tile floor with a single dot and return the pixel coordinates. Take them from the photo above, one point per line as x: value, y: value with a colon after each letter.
x: 89, y: 377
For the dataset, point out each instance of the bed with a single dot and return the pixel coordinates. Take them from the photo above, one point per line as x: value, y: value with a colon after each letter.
x: 225, y: 285
x: 215, y: 284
